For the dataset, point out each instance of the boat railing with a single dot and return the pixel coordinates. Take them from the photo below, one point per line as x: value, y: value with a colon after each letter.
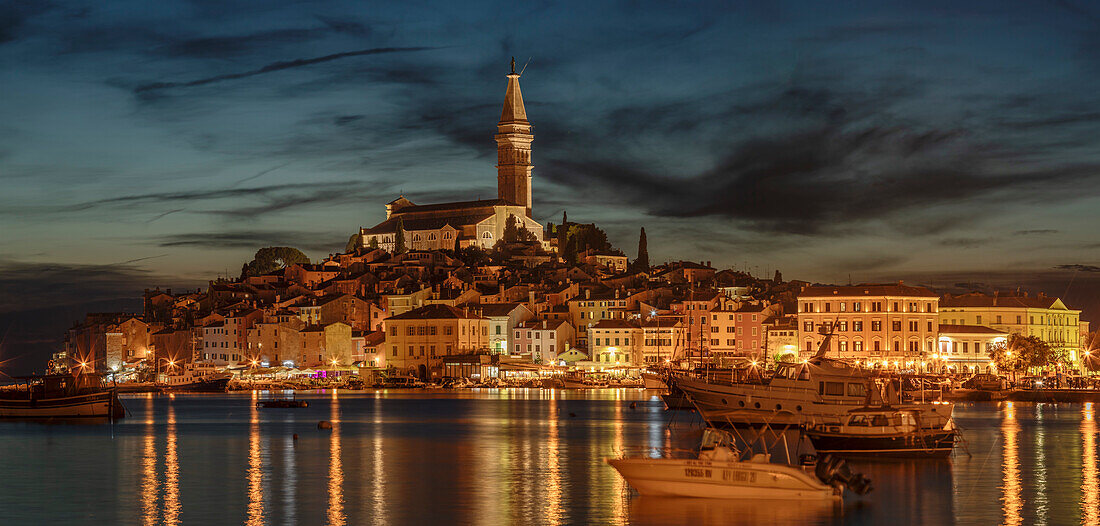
x: 657, y: 452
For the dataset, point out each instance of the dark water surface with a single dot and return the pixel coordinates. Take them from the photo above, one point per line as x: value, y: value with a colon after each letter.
x: 495, y: 457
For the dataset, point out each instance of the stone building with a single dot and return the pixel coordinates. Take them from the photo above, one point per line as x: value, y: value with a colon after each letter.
x: 478, y: 223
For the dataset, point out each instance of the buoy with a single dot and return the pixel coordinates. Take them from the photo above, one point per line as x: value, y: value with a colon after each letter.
x: 633, y: 405
x: 324, y: 424
x: 295, y: 437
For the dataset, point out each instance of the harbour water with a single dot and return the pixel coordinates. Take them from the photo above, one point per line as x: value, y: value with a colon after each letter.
x: 496, y: 457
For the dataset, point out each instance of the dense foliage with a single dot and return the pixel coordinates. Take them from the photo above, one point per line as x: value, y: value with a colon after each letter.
x: 270, y: 259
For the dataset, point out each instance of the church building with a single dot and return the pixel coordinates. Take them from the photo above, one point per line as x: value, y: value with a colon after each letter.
x: 471, y: 223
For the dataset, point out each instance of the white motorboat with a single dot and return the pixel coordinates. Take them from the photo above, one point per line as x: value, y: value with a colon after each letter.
x: 718, y: 471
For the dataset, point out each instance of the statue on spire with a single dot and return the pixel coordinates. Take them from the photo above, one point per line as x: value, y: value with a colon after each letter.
x: 513, y: 65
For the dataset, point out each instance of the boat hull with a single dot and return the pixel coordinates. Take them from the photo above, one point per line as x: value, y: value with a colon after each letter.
x: 927, y: 444
x: 720, y: 480
x: 653, y: 381
x: 102, y: 404
x: 216, y: 385
x: 756, y: 404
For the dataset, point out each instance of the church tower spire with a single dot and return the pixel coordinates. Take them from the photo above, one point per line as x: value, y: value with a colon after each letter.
x: 514, y: 147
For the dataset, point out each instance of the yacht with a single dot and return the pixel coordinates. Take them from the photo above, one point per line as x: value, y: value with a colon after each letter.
x: 194, y: 377
x: 720, y: 471
x: 819, y: 390
x: 654, y: 380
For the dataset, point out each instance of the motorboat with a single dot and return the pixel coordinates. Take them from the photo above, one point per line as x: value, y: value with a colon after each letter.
x: 883, y: 432
x: 60, y: 396
x: 578, y: 380
x: 720, y: 471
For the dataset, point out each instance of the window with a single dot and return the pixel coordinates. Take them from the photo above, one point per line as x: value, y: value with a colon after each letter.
x: 843, y: 326
x: 830, y: 388
x: 857, y: 325
x: 857, y: 346
x: 487, y: 235
x: 410, y: 331
x: 448, y: 330
x: 843, y: 307
x: 857, y: 306
x: 876, y: 325
x: 431, y: 237
x: 843, y: 346
x: 446, y: 235
x: 857, y: 390
x: 808, y: 326
x: 1017, y: 320
x: 998, y: 318
x: 896, y: 325
x: 979, y: 319
x: 827, y: 305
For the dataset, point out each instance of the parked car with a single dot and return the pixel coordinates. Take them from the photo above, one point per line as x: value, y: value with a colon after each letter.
x: 985, y: 382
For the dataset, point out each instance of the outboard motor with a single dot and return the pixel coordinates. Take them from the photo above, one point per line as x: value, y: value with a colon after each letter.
x: 807, y: 460
x: 835, y: 472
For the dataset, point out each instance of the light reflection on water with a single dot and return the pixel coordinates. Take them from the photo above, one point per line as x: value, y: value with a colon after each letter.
x: 498, y: 457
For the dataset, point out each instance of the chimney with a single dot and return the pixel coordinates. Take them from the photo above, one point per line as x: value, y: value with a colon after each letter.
x: 616, y: 293
x: 708, y: 263
x: 587, y: 294
x: 501, y: 285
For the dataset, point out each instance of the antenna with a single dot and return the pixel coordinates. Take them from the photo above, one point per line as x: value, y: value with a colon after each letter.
x: 524, y: 68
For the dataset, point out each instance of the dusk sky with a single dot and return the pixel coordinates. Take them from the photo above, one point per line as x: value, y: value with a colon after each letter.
x: 163, y: 143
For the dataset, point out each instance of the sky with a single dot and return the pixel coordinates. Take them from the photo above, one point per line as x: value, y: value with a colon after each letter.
x: 162, y: 143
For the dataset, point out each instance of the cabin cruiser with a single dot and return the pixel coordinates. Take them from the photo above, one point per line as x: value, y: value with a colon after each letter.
x: 578, y: 380
x: 819, y: 390
x: 720, y: 471
x: 194, y: 377
x: 883, y: 432
x: 60, y: 395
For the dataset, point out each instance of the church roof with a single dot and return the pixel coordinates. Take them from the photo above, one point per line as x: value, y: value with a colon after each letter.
x: 448, y: 207
x: 389, y: 226
x: 513, y: 102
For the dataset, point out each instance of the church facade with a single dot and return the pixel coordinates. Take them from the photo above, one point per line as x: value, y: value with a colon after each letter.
x: 471, y: 223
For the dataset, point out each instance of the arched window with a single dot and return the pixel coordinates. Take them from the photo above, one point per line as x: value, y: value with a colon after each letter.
x: 487, y: 235
x: 416, y: 237
x: 431, y: 236
x: 446, y: 235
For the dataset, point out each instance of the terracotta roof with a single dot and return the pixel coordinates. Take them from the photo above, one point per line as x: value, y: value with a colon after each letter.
x: 969, y: 329
x: 614, y: 324
x: 498, y: 309
x: 538, y: 324
x: 435, y: 312
x: 982, y: 300
x: 867, y: 290
x: 457, y: 205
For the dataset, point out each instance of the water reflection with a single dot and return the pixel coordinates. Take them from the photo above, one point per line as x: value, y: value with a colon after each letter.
x: 508, y: 456
x: 1012, y: 503
x: 171, y: 472
x: 150, y: 486
x: 335, y: 469
x: 1090, y: 472
x: 255, y: 466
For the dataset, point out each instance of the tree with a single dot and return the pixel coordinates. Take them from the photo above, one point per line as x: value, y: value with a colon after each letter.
x: 564, y: 218
x: 1022, y: 353
x: 642, y: 263
x: 353, y: 243
x: 270, y: 259
x: 399, y: 237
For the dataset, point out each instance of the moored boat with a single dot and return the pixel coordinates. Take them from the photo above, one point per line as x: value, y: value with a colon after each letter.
x: 883, y: 432
x: 60, y: 396
x: 719, y: 471
x: 653, y: 380
x: 283, y: 403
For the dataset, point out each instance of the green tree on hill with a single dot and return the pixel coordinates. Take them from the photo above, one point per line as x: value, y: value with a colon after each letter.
x: 270, y: 259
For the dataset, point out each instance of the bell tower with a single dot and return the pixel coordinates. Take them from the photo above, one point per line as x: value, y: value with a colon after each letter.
x: 514, y: 147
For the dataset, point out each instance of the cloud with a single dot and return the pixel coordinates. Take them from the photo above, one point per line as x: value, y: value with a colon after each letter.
x: 1078, y: 267
x: 326, y: 242
x: 26, y: 284
x: 273, y: 67
x: 964, y: 242
x: 1035, y: 232
x: 14, y: 16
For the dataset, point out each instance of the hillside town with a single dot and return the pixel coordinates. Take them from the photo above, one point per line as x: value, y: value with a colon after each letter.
x: 479, y: 289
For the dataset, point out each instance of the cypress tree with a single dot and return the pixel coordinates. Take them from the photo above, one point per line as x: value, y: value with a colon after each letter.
x: 399, y: 238
x: 642, y: 263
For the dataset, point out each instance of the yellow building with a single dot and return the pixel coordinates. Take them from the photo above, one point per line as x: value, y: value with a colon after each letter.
x: 418, y: 340
x: 891, y: 322
x: 1043, y: 316
x: 615, y: 342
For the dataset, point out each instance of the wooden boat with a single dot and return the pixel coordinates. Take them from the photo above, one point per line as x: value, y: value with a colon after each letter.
x: 653, y: 380
x: 60, y: 396
x: 883, y: 432
x: 720, y: 471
